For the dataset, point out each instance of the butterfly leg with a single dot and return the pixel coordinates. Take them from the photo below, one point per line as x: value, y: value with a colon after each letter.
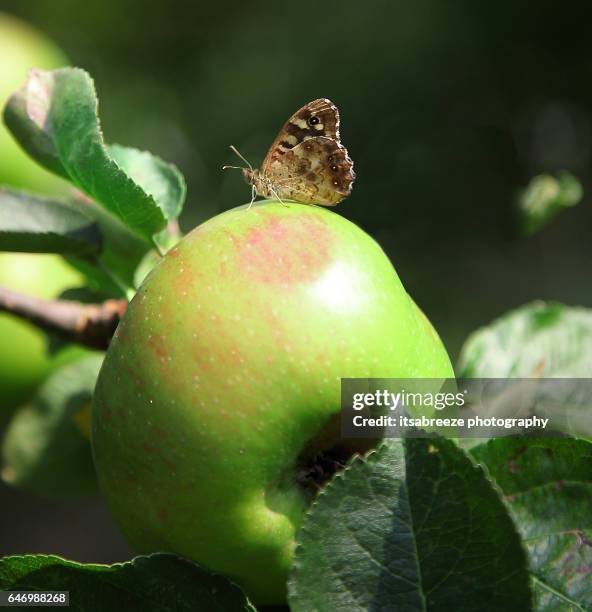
x: 274, y: 192
x: 253, y: 196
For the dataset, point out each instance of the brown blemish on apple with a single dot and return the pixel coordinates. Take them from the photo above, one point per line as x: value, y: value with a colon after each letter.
x: 156, y: 344
x: 160, y: 433
x: 225, y: 352
x: 230, y: 236
x: 131, y: 374
x: 201, y: 356
x: 235, y: 357
x: 154, y: 450
x: 285, y: 251
x: 184, y: 277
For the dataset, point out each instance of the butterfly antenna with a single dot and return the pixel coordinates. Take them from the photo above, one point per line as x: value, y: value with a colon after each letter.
x: 235, y: 150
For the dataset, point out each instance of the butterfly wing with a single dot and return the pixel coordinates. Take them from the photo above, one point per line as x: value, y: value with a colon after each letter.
x: 317, y: 118
x: 318, y: 170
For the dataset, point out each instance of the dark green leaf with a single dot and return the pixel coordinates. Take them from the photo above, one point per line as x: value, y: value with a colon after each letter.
x: 54, y: 117
x: 416, y: 526
x: 32, y: 224
x: 154, y: 583
x: 548, y: 488
x: 539, y: 339
x: 46, y: 448
x: 82, y: 294
x: 121, y: 254
x: 545, y: 197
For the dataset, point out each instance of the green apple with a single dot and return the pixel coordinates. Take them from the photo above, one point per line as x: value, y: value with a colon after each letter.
x: 22, y: 47
x: 222, y: 383
x: 24, y: 360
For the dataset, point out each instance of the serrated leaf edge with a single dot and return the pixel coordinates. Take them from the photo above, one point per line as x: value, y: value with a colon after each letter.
x: 130, y: 562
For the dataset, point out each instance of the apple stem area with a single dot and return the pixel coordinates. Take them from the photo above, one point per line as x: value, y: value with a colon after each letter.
x: 326, y: 455
x: 90, y: 325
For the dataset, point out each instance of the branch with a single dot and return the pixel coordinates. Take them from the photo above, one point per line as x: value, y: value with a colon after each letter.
x: 91, y: 325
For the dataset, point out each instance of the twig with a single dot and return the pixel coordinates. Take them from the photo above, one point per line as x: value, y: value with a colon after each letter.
x: 91, y: 325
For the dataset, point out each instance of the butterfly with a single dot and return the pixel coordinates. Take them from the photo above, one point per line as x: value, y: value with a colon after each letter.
x: 306, y: 162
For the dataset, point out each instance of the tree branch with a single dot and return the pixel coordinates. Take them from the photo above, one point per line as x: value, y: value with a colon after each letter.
x: 91, y: 325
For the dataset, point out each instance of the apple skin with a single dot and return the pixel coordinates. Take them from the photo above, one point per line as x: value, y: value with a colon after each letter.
x: 24, y: 360
x: 227, y: 364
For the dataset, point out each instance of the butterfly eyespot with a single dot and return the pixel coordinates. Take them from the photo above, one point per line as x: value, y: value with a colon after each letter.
x: 333, y: 168
x: 313, y: 120
x: 336, y: 183
x: 330, y: 158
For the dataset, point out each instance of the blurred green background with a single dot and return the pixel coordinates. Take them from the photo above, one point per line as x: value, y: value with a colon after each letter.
x: 447, y: 108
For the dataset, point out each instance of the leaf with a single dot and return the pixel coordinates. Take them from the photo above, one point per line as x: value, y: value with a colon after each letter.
x: 54, y: 117
x: 46, y: 448
x: 121, y: 254
x: 545, y: 197
x: 548, y: 488
x: 539, y: 339
x: 153, y: 583
x: 32, y: 224
x: 161, y: 180
x: 414, y: 526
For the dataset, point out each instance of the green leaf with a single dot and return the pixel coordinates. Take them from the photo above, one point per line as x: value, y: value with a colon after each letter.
x: 415, y: 526
x: 54, y: 117
x: 539, y: 339
x: 46, y: 448
x: 548, y: 488
x: 161, y: 180
x: 32, y: 224
x: 153, y: 583
x: 121, y: 254
x: 545, y: 197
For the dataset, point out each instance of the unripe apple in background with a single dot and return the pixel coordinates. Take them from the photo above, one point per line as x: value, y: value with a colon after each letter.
x: 224, y: 376
x: 23, y: 358
x: 23, y: 47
